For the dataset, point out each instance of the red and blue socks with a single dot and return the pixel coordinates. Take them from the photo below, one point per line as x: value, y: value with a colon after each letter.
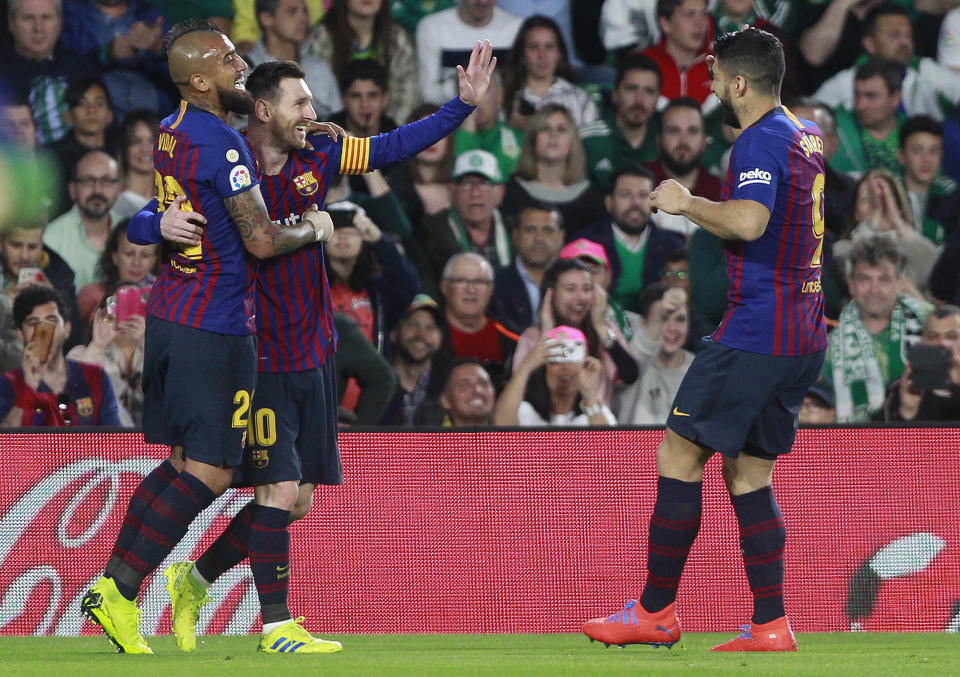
x: 673, y: 528
x: 762, y: 540
x: 143, y: 497
x: 164, y: 523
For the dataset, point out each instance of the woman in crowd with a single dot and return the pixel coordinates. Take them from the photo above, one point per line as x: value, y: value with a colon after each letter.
x: 138, y: 138
x: 116, y: 344
x: 660, y: 355
x: 538, y: 71
x: 553, y: 169
x: 364, y: 29
x: 555, y: 384
x: 422, y: 183
x: 880, y: 205
x: 121, y: 261
x: 570, y: 297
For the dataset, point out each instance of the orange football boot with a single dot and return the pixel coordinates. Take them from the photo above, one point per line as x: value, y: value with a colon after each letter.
x: 774, y: 635
x: 635, y: 625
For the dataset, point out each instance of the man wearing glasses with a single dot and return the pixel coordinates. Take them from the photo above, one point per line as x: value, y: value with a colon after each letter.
x: 473, y: 223
x: 81, y: 234
x: 48, y: 389
x: 467, y: 286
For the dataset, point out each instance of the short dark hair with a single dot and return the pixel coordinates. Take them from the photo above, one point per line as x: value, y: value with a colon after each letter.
x: 630, y: 170
x: 31, y: 297
x: 883, y: 9
x: 79, y: 86
x: 264, y: 81
x: 666, y: 8
x: 556, y: 269
x: 753, y: 53
x: 188, y: 26
x: 649, y: 295
x: 636, y: 61
x: 945, y: 310
x: 918, y: 124
x: 890, y: 72
x: 266, y: 7
x: 677, y: 255
x: 682, y: 102
x: 459, y: 362
x: 540, y: 206
x: 874, y: 250
x: 362, y: 69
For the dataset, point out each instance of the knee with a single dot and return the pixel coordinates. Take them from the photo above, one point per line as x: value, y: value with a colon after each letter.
x: 680, y: 459
x: 304, y: 503
x: 281, y: 495
x: 177, y: 459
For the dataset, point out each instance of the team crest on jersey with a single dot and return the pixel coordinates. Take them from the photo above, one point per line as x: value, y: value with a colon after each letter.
x: 260, y: 458
x: 85, y: 406
x: 306, y: 183
x: 240, y: 177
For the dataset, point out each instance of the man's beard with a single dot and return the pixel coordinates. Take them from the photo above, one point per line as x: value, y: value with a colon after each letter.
x: 94, y: 212
x: 678, y: 167
x: 405, y: 355
x: 729, y: 115
x: 235, y: 101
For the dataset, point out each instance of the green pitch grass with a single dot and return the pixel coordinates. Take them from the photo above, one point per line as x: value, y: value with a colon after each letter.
x: 820, y: 655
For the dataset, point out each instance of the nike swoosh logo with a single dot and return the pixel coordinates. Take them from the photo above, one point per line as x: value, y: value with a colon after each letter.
x: 285, y: 567
x: 677, y: 412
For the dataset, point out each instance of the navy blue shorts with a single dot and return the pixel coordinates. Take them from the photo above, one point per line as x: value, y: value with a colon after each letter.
x: 732, y: 400
x: 293, y: 429
x: 197, y: 387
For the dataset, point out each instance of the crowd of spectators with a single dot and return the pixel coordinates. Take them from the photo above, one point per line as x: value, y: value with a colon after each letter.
x: 513, y: 273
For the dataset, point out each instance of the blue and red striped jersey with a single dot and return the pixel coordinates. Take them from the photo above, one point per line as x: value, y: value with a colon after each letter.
x: 775, y: 303
x: 209, y: 286
x: 294, y: 313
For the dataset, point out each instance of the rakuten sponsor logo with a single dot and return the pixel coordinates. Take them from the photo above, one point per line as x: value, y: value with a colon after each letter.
x: 754, y: 176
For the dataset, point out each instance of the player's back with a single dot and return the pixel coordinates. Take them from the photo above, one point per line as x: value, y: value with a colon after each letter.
x: 775, y: 298
x: 208, y: 286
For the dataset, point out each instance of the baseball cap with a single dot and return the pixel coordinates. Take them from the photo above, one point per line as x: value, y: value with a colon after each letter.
x: 822, y: 390
x: 588, y: 249
x: 423, y: 302
x: 477, y: 162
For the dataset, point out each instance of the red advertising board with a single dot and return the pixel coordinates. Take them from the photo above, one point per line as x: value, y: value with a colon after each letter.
x: 508, y: 532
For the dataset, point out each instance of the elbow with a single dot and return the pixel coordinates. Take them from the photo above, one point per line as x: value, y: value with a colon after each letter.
x: 259, y: 250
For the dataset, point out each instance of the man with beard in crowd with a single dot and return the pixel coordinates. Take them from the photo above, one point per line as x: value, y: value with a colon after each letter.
x: 682, y: 140
x: 636, y: 247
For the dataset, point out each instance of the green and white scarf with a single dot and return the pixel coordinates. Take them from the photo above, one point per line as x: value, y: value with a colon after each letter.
x: 854, y: 360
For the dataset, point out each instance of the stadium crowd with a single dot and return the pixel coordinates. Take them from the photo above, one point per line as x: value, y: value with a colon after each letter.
x: 512, y: 273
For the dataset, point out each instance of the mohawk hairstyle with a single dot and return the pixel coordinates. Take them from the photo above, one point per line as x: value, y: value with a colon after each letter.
x: 188, y: 26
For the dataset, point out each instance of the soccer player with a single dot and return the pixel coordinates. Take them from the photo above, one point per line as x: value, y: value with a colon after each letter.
x: 200, y: 360
x: 291, y: 443
x: 772, y: 220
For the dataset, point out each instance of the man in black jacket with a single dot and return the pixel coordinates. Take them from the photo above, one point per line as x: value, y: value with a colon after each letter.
x: 537, y: 239
x: 637, y: 248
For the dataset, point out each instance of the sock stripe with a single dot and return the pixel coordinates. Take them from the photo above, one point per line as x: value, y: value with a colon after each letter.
x: 665, y: 551
x: 188, y: 492
x: 763, y: 558
x: 674, y: 525
x: 662, y: 582
x: 170, y: 513
x: 760, y: 527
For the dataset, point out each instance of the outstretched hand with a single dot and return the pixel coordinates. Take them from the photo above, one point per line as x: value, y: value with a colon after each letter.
x: 475, y: 81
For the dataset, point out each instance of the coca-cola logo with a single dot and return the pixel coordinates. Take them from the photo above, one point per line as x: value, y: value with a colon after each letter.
x: 56, y: 535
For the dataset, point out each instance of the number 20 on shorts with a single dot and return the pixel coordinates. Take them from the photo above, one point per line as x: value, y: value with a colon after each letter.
x: 261, y: 426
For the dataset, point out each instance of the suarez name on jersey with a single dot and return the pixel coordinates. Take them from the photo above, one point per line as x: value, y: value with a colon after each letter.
x: 775, y: 303
x: 208, y: 286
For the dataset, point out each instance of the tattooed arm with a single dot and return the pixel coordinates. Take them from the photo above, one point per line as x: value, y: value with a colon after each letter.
x: 262, y: 237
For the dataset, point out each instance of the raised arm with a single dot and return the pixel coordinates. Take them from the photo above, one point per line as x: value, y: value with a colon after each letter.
x: 262, y: 237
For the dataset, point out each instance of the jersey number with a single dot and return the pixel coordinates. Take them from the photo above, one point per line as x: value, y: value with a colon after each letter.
x: 168, y: 190
x: 241, y: 398
x: 262, y: 430
x: 818, y: 226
